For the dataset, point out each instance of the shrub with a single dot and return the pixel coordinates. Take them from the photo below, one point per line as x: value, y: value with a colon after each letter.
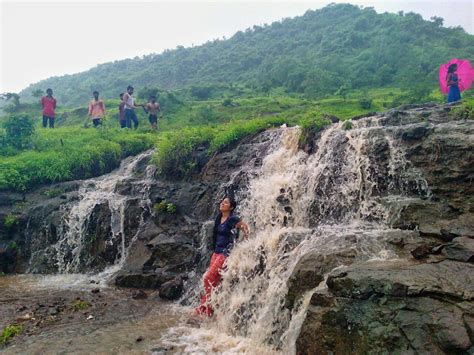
x: 464, y: 111
x: 347, y: 125
x: 163, y: 207
x: 365, y: 103
x: 18, y: 131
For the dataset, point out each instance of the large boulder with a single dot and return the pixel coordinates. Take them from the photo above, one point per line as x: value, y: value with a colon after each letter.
x: 393, y: 306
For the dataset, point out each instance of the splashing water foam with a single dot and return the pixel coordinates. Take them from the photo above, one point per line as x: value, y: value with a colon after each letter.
x: 297, y: 203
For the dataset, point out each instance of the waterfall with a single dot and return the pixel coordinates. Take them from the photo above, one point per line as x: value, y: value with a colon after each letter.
x: 100, y: 206
x: 342, y: 196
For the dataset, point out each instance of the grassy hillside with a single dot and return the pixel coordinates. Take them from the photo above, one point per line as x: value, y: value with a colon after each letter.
x: 339, y: 46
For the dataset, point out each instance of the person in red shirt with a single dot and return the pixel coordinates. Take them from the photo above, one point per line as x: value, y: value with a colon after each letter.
x: 96, y: 109
x: 48, y: 103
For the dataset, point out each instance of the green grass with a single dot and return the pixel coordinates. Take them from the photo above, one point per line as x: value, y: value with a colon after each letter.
x: 189, y: 133
x: 70, y: 153
x: 80, y: 305
x: 9, y: 332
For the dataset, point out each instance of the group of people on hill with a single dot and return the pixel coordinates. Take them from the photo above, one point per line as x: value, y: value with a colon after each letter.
x: 96, y: 111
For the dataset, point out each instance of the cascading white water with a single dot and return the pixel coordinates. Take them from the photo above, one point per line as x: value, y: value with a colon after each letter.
x: 295, y: 204
x: 70, y: 255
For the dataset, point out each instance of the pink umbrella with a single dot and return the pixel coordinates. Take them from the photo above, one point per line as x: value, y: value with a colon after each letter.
x: 465, y: 74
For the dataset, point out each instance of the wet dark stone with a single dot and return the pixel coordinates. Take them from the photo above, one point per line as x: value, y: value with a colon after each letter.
x: 139, y: 295
x: 421, y: 252
x: 172, y: 290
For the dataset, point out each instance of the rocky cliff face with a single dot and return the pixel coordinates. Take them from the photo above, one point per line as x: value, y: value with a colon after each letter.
x: 422, y: 301
x: 418, y: 299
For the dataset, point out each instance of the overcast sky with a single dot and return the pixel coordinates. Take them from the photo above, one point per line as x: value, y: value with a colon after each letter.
x: 42, y: 39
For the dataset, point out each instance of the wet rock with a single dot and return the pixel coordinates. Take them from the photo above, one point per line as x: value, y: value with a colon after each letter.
x: 151, y: 281
x: 421, y: 252
x: 172, y: 290
x: 310, y: 271
x: 415, y: 133
x: 139, y: 295
x: 461, y: 249
x: 392, y: 307
x: 52, y: 311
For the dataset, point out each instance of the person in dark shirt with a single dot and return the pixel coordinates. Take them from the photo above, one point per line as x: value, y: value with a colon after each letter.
x: 223, y: 241
x: 123, y: 123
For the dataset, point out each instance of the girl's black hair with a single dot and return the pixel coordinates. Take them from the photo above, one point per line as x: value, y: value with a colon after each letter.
x: 217, y: 221
x: 452, y: 68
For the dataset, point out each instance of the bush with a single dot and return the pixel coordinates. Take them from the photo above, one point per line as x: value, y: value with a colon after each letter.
x: 347, y: 125
x: 464, y: 111
x: 163, y: 207
x: 18, y: 131
x: 365, y: 103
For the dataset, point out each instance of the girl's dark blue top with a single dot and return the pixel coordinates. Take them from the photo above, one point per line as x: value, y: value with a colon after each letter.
x: 454, y: 78
x: 225, y: 236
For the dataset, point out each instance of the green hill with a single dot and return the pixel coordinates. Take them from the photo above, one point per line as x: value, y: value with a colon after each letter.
x: 314, y: 54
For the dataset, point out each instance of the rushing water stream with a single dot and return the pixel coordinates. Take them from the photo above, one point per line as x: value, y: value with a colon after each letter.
x: 342, y: 196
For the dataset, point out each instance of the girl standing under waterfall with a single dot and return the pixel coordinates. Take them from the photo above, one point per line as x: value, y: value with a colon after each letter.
x: 223, y: 241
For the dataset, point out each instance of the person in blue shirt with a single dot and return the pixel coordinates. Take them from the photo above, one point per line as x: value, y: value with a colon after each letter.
x: 224, y: 237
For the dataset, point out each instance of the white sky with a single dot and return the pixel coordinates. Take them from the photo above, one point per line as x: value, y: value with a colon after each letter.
x: 41, y: 39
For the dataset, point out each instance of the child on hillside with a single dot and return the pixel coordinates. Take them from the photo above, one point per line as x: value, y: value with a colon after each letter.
x: 96, y: 109
x: 152, y: 108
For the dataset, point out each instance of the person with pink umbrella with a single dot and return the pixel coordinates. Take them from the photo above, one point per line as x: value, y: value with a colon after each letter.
x: 455, y: 77
x: 452, y: 81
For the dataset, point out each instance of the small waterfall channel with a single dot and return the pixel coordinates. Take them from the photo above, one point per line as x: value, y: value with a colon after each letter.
x: 99, y: 212
x: 342, y: 197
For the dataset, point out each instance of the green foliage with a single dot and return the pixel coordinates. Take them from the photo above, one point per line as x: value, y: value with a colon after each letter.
x: 79, y: 305
x: 13, y: 98
x: 70, y: 153
x: 204, y: 115
x: 170, y: 208
x: 37, y: 93
x: 54, y: 192
x: 9, y: 332
x: 175, y: 151
x: 347, y: 125
x: 365, y: 103
x: 163, y: 207
x: 13, y: 246
x: 10, y: 221
x: 18, y: 131
x: 227, y: 102
x: 314, y: 54
x: 179, y: 152
x: 465, y: 111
